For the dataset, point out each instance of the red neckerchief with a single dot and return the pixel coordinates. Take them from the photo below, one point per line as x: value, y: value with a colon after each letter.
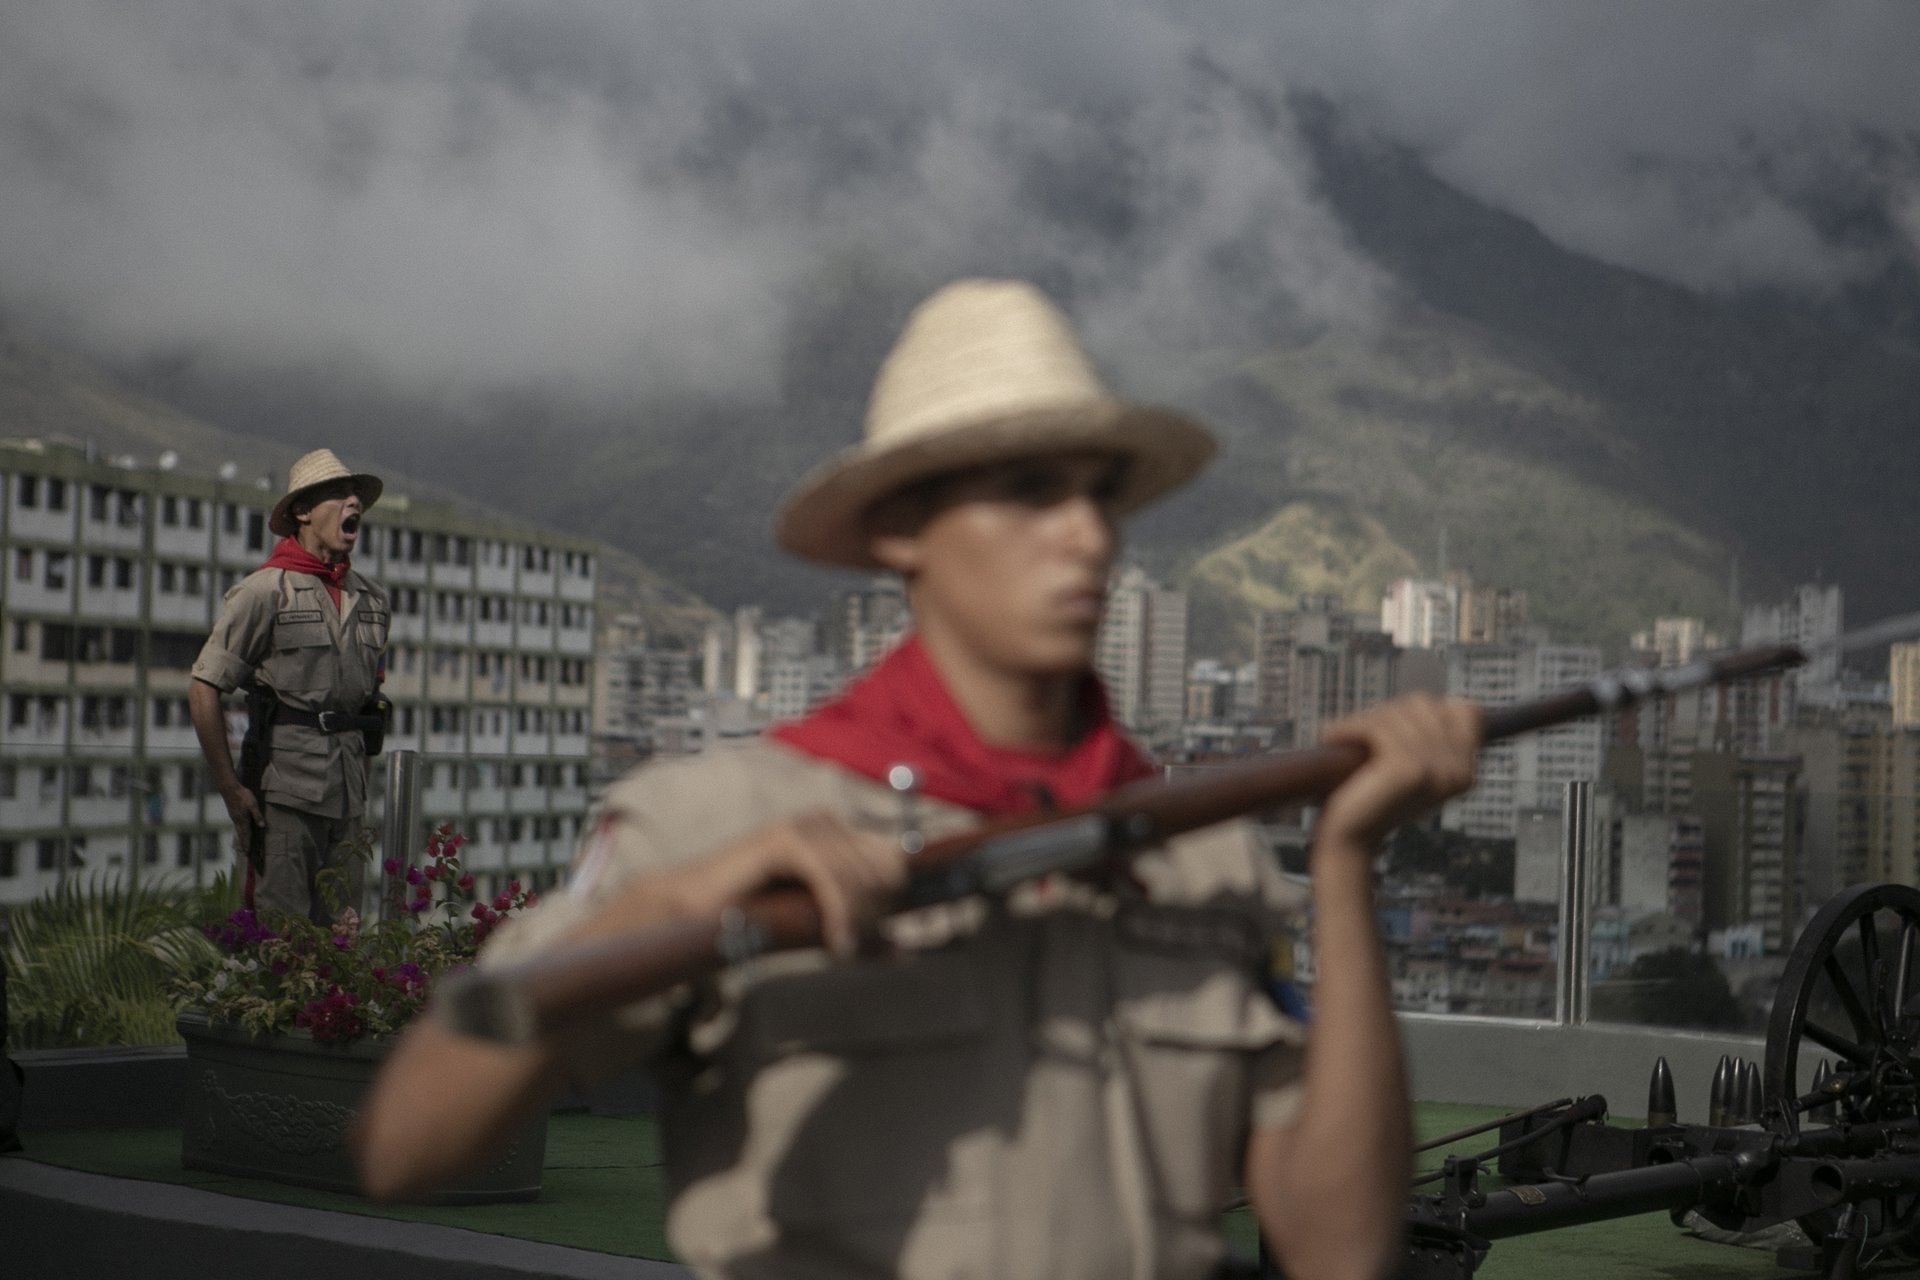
x: 901, y: 713
x: 289, y: 554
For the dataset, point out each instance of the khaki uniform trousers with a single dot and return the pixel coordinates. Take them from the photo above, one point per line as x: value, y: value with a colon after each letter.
x: 298, y: 847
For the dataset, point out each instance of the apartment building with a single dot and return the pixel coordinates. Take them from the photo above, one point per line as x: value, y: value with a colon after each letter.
x: 110, y: 577
x: 1529, y: 772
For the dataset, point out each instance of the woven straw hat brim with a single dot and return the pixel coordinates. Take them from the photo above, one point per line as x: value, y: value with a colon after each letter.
x: 370, y: 487
x: 824, y: 519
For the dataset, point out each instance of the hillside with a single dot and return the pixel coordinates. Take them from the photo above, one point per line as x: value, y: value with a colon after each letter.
x: 1376, y: 460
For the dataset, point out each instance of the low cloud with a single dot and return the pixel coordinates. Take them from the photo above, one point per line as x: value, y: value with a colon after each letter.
x: 611, y: 196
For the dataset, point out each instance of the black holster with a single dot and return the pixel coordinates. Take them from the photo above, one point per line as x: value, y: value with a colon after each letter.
x: 376, y: 715
x: 255, y: 750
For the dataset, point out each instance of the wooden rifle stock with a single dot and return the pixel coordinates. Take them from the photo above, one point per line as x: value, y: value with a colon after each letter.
x: 521, y: 1002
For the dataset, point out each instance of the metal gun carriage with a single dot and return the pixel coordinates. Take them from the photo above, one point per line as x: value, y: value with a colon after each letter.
x: 1837, y: 1156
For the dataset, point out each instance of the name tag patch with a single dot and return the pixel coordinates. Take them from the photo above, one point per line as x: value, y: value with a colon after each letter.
x: 1190, y: 931
x: 294, y: 617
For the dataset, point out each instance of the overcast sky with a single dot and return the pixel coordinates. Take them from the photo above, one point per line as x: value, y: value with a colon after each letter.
x: 604, y: 194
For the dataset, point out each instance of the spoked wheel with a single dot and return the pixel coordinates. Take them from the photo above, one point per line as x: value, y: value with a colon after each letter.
x: 1851, y: 989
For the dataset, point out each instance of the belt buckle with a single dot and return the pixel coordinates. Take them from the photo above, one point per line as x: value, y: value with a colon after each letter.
x: 330, y: 722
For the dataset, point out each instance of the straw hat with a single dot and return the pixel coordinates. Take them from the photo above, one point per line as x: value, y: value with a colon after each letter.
x: 315, y: 469
x: 985, y: 371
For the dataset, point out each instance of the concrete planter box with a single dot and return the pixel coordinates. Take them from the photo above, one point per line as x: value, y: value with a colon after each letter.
x: 278, y: 1108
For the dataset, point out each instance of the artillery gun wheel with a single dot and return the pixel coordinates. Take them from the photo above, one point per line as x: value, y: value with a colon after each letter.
x: 1850, y: 987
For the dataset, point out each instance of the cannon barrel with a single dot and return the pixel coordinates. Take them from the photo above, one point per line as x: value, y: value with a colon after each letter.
x: 1521, y: 1210
x: 1838, y: 1181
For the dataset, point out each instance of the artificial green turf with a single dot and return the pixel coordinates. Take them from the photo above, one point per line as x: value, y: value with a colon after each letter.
x: 603, y: 1190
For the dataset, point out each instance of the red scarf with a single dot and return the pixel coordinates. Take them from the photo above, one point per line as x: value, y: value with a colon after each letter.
x: 289, y: 554
x: 901, y: 713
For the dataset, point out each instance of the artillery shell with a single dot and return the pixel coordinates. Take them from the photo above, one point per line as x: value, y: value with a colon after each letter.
x: 1822, y: 1078
x: 1661, y: 1108
x: 1718, y: 1093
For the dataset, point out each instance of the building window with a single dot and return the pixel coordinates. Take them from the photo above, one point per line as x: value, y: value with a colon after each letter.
x: 29, y: 491
x: 97, y: 497
x: 196, y: 515
x: 169, y: 510
x: 46, y: 853
x: 122, y: 573
x: 190, y: 579
x: 167, y: 579
x: 56, y: 495
x: 9, y: 780
x: 23, y: 565
x: 150, y: 848
x: 183, y: 850
x: 9, y: 859
x: 256, y: 530
x: 56, y: 578
x: 96, y: 571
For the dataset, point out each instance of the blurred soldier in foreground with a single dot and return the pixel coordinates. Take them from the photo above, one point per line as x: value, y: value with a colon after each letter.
x: 1064, y: 1084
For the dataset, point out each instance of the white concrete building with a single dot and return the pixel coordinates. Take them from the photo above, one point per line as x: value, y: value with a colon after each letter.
x: 1529, y: 772
x: 1811, y: 617
x: 1421, y: 613
x: 1142, y: 652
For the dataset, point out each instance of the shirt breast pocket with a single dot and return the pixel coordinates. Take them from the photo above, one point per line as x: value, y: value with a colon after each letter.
x: 302, y: 662
x: 1192, y: 1025
x: 373, y: 630
x: 853, y: 1067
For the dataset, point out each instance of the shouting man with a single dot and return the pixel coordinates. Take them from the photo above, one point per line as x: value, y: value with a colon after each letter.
x: 306, y: 634
x: 1065, y: 1083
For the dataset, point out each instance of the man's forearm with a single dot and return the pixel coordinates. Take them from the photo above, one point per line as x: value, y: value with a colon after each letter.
x: 1335, y: 1206
x: 210, y: 727
x: 444, y: 1105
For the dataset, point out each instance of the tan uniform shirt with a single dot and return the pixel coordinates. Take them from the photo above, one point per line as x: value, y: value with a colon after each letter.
x: 282, y: 627
x: 1059, y: 1086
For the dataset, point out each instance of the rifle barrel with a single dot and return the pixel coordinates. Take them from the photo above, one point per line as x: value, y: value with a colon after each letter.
x: 518, y: 1002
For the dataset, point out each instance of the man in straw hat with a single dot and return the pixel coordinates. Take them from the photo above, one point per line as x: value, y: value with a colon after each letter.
x: 1066, y: 1083
x: 306, y: 635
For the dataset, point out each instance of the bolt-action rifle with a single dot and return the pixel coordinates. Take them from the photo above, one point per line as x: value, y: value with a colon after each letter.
x: 524, y: 1001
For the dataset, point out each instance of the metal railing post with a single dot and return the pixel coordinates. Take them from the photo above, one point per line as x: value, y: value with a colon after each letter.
x: 1571, y: 993
x: 399, y: 825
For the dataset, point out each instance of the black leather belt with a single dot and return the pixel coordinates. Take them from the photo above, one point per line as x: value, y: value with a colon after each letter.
x: 327, y: 721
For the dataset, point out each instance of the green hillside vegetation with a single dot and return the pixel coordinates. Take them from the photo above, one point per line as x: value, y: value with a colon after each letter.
x: 1314, y: 546
x: 1387, y: 442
